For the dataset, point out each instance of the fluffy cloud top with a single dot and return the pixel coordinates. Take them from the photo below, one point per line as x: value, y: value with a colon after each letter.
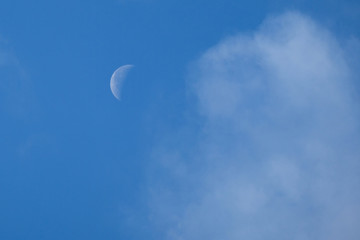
x: 276, y: 156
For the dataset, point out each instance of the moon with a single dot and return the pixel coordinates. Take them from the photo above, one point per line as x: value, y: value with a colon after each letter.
x: 118, y: 78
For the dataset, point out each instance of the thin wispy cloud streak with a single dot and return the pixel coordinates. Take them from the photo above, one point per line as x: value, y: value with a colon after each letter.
x: 16, y: 93
x: 276, y: 155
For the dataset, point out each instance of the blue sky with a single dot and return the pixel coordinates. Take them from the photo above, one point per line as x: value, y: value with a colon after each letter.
x: 239, y: 120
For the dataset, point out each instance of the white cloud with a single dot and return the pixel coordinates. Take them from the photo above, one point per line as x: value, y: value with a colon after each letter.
x: 277, y: 155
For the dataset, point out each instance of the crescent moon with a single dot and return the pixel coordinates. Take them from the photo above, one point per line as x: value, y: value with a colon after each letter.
x: 117, y: 80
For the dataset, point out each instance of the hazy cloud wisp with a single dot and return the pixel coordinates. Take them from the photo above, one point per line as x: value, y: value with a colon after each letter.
x: 277, y: 154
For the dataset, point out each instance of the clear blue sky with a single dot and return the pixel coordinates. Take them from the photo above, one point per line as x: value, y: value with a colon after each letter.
x: 226, y: 98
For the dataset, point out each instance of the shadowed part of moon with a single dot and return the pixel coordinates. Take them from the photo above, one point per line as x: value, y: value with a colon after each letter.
x: 117, y: 80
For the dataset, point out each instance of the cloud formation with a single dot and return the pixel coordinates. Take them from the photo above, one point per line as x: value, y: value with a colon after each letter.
x: 276, y: 155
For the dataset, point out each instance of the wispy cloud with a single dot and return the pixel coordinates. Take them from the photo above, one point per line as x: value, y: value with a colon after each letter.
x: 276, y: 155
x: 16, y: 93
